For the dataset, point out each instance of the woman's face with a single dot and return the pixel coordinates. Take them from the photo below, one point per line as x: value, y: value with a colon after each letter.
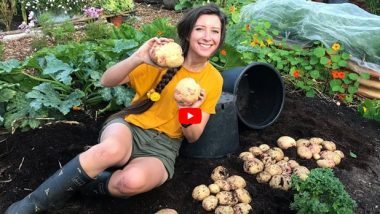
x: 205, y: 36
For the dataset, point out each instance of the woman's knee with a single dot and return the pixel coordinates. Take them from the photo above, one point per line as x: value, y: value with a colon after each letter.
x: 111, y: 151
x: 133, y: 182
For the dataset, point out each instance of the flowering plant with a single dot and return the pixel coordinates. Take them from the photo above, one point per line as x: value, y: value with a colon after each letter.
x: 93, y: 12
x: 67, y: 6
x: 32, y: 22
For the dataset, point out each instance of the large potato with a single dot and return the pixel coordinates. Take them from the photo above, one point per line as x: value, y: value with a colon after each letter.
x: 236, y: 182
x: 227, y: 198
x: 200, y: 192
x: 166, y: 211
x: 223, y: 185
x: 263, y: 177
x: 210, y: 203
x: 242, y: 208
x: 187, y: 91
x: 253, y: 166
x: 224, y: 210
x: 285, y: 142
x: 219, y: 173
x: 243, y: 196
x: 301, y: 172
x: 280, y: 182
x: 167, y: 55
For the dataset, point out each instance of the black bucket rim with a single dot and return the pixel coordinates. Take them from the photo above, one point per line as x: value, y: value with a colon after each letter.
x: 235, y: 90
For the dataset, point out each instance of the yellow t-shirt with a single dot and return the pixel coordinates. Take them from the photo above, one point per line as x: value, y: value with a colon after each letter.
x: 163, y: 115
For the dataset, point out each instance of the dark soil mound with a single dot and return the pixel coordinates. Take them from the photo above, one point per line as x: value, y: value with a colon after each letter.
x: 34, y: 155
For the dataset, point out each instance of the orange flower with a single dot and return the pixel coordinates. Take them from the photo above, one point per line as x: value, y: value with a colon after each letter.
x: 335, y: 46
x: 334, y: 74
x: 296, y: 73
x: 341, y: 96
x: 76, y: 108
x: 341, y: 75
x: 269, y: 41
x: 232, y: 9
x: 329, y: 62
x: 223, y: 52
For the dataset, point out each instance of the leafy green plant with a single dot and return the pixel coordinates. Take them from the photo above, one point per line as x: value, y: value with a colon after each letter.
x: 370, y: 109
x: 373, y: 6
x: 97, y: 30
x: 115, y: 7
x: 65, y: 6
x: 8, y: 8
x: 39, y: 42
x: 321, y: 192
x: 1, y: 49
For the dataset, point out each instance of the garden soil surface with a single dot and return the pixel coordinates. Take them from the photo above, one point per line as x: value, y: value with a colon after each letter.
x: 30, y: 157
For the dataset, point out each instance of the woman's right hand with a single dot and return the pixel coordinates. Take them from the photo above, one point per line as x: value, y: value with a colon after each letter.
x: 144, y: 52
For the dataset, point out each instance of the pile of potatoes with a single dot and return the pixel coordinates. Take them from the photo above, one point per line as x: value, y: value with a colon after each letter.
x: 323, y: 151
x: 270, y: 165
x: 227, y: 195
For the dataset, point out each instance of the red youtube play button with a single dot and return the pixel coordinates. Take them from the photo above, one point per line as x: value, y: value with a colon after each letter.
x: 190, y: 115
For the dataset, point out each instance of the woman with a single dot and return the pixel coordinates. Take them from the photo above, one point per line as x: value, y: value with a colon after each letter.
x: 143, y: 141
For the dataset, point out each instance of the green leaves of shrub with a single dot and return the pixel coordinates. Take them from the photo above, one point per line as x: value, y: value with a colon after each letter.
x: 321, y: 192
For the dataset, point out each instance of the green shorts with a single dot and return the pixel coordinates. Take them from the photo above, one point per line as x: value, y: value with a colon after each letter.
x: 152, y: 143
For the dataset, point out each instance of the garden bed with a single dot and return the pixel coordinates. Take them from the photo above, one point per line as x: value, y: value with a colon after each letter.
x: 35, y: 155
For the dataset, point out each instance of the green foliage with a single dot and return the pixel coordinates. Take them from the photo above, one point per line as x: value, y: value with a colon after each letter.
x: 65, y: 6
x: 373, y: 6
x: 321, y: 192
x: 39, y: 42
x: 61, y: 33
x: 116, y: 6
x: 1, y: 50
x: 370, y: 109
x: 7, y: 10
x: 97, y: 30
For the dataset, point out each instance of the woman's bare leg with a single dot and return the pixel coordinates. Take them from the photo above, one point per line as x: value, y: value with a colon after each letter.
x: 140, y: 175
x: 114, y: 149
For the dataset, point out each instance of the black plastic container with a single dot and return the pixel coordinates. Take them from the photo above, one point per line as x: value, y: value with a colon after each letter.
x: 221, y: 134
x: 259, y: 91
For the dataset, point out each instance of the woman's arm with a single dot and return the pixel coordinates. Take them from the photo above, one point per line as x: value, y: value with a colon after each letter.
x: 118, y: 73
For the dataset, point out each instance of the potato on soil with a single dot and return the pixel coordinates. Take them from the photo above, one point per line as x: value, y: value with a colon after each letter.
x: 329, y: 145
x: 246, y: 156
x: 242, y: 208
x: 301, y: 172
x: 276, y: 153
x: 286, y: 142
x: 219, y: 173
x: 304, y: 152
x: 167, y: 55
x: 280, y: 182
x: 223, y: 185
x: 316, y: 140
x: 200, y: 192
x: 227, y: 198
x: 243, y: 196
x: 253, y: 166
x: 331, y: 156
x: 264, y: 147
x: 224, y: 210
x: 255, y: 150
x: 273, y: 169
x: 166, y: 211
x: 340, y: 153
x: 267, y: 159
x: 293, y: 164
x: 214, y: 188
x: 302, y: 142
x: 187, y: 91
x: 236, y: 182
x: 263, y: 177
x: 325, y: 163
x: 285, y: 166
x: 210, y: 203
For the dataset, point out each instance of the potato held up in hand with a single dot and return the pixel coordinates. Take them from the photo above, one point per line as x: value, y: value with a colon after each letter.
x: 187, y: 91
x: 167, y: 55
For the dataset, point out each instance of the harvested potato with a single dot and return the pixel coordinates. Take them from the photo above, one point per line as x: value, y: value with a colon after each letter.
x: 273, y: 169
x: 264, y: 147
x: 214, y: 188
x: 255, y: 150
x: 280, y: 182
x: 187, y: 91
x: 286, y: 142
x: 293, y: 164
x: 301, y: 172
x: 223, y: 185
x: 167, y: 55
x: 166, y: 211
x: 276, y: 153
x: 236, y: 182
x: 226, y: 198
x: 316, y: 156
x: 253, y: 166
x: 219, y: 173
x: 315, y: 148
x: 243, y: 195
x: 304, y: 152
x: 267, y: 159
x: 200, y: 192
x: 326, y: 163
x: 340, y: 153
x: 246, y: 156
x: 242, y: 208
x: 329, y: 155
x: 263, y: 177
x: 285, y: 167
x: 329, y: 145
x: 316, y: 140
x: 210, y: 203
x: 224, y: 210
x: 302, y: 142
